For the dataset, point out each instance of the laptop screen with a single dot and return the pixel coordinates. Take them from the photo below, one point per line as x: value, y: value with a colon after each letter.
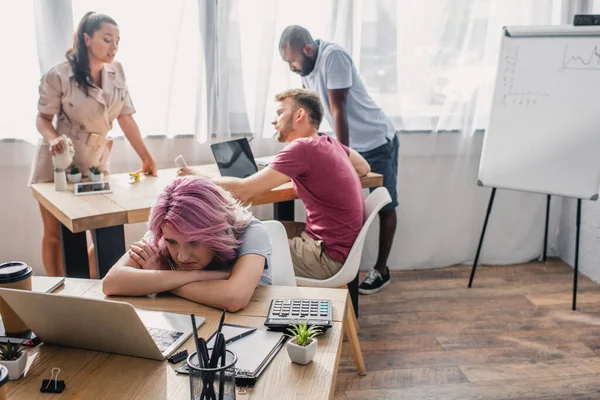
x: 234, y: 158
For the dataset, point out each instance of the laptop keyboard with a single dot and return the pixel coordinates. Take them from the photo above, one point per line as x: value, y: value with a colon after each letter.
x: 164, y: 338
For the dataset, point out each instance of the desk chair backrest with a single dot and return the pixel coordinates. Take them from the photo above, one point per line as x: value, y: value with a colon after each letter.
x: 282, y: 270
x: 373, y: 204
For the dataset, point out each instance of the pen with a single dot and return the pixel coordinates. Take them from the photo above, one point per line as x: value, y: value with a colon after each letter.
x: 196, y: 342
x: 241, y: 335
x: 221, y: 323
x: 217, y: 334
x: 223, y: 352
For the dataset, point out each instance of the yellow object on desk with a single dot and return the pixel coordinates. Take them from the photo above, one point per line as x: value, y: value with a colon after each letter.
x: 134, y: 177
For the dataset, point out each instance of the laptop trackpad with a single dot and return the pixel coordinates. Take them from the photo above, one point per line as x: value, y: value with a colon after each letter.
x: 168, y: 330
x: 167, y: 320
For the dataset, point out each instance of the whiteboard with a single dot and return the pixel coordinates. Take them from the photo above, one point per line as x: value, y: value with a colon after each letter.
x: 543, y: 134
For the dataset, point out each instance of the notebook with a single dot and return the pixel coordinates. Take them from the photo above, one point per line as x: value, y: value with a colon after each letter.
x: 254, y: 351
x: 41, y: 284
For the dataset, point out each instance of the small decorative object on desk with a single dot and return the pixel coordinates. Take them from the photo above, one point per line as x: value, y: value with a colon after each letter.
x: 14, y: 358
x: 134, y: 177
x: 74, y: 174
x: 96, y: 174
x: 302, y: 345
x: 61, y: 162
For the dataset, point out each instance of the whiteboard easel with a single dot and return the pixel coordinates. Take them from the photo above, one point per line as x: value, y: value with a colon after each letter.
x: 543, y: 134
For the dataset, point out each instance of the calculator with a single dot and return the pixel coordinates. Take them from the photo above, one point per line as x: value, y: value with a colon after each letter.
x: 284, y: 312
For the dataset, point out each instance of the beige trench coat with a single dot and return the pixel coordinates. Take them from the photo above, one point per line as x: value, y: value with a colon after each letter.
x: 85, y: 119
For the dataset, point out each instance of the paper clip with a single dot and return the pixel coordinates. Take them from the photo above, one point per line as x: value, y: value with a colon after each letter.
x: 59, y: 386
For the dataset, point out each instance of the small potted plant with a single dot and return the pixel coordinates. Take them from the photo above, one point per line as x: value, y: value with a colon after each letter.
x: 96, y: 174
x: 302, y: 345
x: 74, y: 174
x: 14, y: 358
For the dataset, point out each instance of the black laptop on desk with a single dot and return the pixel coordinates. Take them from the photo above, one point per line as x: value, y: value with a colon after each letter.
x: 234, y: 158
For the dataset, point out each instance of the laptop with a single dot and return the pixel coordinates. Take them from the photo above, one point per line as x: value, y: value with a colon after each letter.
x: 100, y: 325
x: 234, y: 158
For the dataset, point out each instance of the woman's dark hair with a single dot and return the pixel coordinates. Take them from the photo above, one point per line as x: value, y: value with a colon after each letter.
x: 78, y: 55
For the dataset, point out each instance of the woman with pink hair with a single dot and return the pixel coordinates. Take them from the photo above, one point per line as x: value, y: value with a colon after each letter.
x: 201, y: 245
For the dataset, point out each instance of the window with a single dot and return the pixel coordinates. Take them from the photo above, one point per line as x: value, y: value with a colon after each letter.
x: 431, y: 65
x: 19, y: 72
x: 161, y: 53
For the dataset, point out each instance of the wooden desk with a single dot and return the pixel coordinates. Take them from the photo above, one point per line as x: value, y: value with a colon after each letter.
x: 138, y: 199
x: 105, y: 214
x: 95, y: 375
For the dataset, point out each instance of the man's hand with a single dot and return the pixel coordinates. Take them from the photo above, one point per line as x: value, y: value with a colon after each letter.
x: 183, y: 171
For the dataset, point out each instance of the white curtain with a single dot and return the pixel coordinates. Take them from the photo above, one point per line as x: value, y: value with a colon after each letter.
x: 431, y: 66
x: 212, y: 67
x: 19, y: 71
x: 162, y: 55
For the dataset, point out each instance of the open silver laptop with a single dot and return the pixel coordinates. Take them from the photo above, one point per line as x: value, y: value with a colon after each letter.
x: 100, y: 325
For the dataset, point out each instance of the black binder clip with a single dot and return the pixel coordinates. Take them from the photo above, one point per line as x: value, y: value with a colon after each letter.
x: 53, y: 385
x: 178, y: 357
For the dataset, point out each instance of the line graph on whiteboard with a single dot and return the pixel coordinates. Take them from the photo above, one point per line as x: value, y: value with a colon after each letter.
x: 581, y: 60
x: 517, y: 97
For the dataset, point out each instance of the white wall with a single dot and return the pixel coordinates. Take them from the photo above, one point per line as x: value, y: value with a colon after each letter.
x: 589, y: 241
x: 440, y: 215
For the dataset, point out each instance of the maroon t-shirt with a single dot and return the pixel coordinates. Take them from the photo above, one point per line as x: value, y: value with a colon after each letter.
x: 325, y: 180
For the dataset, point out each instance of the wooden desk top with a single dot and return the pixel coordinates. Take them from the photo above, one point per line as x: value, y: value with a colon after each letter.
x: 129, y: 204
x: 79, y: 213
x: 95, y: 375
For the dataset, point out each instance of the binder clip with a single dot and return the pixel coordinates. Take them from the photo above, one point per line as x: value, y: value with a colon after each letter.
x: 178, y: 357
x: 53, y: 385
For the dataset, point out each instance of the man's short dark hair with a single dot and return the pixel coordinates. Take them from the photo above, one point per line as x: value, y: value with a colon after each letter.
x: 296, y: 37
x: 306, y: 99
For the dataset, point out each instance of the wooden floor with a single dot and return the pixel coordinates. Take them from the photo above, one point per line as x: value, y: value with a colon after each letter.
x: 512, y: 336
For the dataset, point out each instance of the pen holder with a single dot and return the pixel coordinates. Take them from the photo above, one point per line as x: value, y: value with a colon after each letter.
x: 212, y: 383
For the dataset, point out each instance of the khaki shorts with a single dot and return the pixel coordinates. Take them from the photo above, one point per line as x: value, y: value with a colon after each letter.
x: 308, y: 256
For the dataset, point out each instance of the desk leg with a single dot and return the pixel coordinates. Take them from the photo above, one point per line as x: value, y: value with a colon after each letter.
x: 74, y: 252
x: 284, y: 211
x: 109, y: 244
x: 353, y: 290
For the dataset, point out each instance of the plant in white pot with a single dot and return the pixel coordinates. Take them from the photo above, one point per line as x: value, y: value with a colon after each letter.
x: 302, y: 345
x: 14, y: 358
x: 96, y: 174
x: 74, y: 174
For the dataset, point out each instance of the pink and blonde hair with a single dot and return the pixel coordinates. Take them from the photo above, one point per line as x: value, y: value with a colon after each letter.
x: 201, y: 211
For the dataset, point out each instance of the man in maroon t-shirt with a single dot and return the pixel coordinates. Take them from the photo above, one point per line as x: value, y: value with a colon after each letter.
x: 325, y: 176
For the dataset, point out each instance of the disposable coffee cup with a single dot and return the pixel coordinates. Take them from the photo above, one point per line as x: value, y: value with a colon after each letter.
x: 14, y: 275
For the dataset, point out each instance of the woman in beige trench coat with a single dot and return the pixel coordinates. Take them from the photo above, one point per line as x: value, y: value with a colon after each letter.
x: 86, y: 93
